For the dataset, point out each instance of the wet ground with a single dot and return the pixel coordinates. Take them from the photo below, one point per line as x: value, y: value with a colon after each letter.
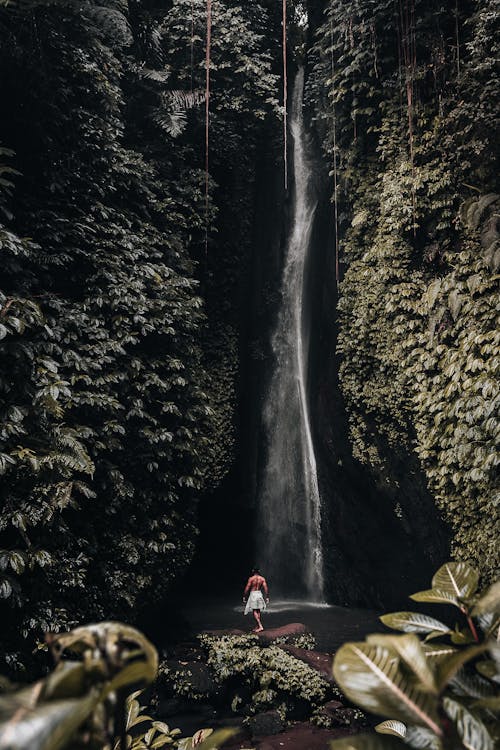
x: 331, y: 625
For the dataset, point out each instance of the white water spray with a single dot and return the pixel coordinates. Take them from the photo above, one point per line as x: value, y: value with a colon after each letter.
x: 289, y: 528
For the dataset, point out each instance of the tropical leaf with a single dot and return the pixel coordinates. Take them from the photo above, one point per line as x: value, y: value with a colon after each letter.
x: 409, y: 648
x: 391, y: 726
x: 370, y: 676
x: 488, y: 669
x: 450, y: 666
x: 68, y: 680
x: 457, y: 579
x: 435, y: 596
x: 436, y: 653
x: 471, y: 730
x: 422, y: 739
x: 171, y: 116
x: 414, y: 622
x: 489, y: 601
x: 466, y: 684
x: 49, y: 725
x: 491, y: 703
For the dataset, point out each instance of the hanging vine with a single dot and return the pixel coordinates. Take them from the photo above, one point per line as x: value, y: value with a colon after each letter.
x: 207, y: 114
x: 409, y: 57
x: 335, y: 175
x: 285, y: 83
x: 192, y: 43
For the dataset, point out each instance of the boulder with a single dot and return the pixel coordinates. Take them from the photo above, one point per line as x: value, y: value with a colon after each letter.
x: 265, y: 724
x: 335, y: 714
x: 191, y: 679
x: 268, y: 635
x: 318, y: 660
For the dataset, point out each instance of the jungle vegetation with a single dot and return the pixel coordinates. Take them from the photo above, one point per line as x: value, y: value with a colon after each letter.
x: 125, y: 262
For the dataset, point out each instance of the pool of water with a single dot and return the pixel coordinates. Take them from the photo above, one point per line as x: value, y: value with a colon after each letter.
x: 331, y: 625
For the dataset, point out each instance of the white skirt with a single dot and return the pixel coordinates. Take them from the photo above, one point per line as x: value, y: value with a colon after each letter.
x: 255, y: 601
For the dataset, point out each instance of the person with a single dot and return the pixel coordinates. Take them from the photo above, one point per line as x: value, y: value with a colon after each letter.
x: 253, y: 598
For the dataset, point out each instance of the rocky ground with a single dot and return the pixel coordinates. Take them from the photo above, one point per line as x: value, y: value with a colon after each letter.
x: 275, y: 688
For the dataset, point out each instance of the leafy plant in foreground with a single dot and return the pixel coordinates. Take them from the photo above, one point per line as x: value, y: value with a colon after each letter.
x: 83, y: 702
x: 437, y: 685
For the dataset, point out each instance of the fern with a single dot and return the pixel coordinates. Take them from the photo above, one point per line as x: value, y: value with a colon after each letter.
x: 171, y: 116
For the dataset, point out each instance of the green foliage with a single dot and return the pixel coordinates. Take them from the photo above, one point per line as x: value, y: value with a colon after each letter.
x: 437, y: 694
x: 418, y: 226
x: 274, y: 677
x: 80, y: 698
x: 118, y: 381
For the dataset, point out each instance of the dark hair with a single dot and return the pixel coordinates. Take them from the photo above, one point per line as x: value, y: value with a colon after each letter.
x: 255, y: 571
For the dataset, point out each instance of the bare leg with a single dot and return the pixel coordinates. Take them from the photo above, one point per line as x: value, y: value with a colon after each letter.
x: 259, y: 628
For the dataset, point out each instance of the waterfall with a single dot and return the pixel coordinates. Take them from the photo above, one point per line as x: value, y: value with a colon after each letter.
x: 289, y: 507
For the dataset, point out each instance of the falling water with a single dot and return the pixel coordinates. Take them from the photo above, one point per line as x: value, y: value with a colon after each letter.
x: 289, y: 537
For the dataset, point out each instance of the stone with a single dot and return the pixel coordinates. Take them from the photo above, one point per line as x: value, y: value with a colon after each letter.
x: 268, y: 635
x: 191, y: 679
x: 318, y: 660
x: 335, y: 714
x: 266, y: 723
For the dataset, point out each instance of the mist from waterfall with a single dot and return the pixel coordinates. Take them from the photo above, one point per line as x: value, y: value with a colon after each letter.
x: 289, y: 508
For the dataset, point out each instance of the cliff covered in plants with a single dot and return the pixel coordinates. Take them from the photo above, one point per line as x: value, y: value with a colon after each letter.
x: 404, y: 96
x: 121, y: 259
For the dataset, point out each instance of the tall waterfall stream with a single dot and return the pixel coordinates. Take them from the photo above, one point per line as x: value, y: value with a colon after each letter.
x: 289, y: 525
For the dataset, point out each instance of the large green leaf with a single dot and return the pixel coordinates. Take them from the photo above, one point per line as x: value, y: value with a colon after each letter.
x: 393, y: 727
x: 370, y: 675
x: 414, y: 622
x: 450, y: 666
x: 491, y: 703
x: 472, y: 731
x: 422, y: 738
x: 48, y: 726
x: 409, y: 648
x: 435, y: 653
x: 489, y: 670
x: 457, y: 579
x: 467, y: 684
x: 68, y: 680
x: 435, y: 596
x: 489, y: 601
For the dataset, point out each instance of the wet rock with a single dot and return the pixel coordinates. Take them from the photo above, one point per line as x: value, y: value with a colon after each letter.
x: 318, y: 660
x: 191, y: 679
x: 271, y: 634
x: 266, y: 723
x: 335, y: 714
x: 171, y: 707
